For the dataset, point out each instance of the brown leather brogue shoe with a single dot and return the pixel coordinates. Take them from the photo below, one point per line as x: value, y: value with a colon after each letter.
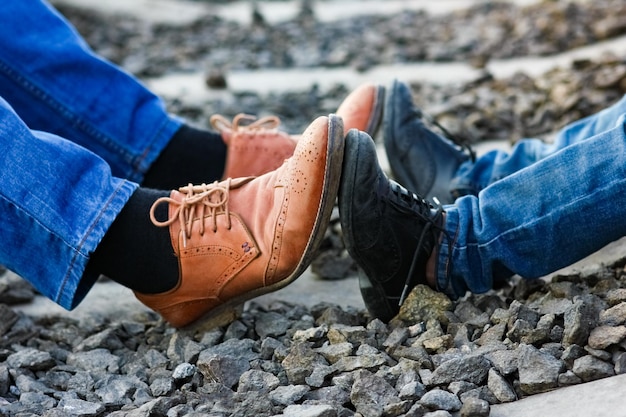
x: 362, y: 109
x: 241, y: 238
x: 255, y: 146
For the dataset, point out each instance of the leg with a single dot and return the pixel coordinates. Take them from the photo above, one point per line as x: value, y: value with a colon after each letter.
x: 57, y: 84
x: 434, y: 166
x: 66, y: 219
x: 539, y: 219
x: 472, y: 177
x: 244, y: 237
x: 389, y: 231
x: 57, y: 200
x: 533, y: 222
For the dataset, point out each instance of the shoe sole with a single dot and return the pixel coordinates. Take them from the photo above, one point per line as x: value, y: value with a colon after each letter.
x: 232, y: 309
x: 373, y: 126
x: 376, y: 300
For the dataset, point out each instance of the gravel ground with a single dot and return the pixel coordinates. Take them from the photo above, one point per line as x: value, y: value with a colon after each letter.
x: 437, y: 358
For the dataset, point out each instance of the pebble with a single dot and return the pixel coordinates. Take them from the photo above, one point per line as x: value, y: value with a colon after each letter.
x: 437, y: 357
x: 475, y: 407
x: 365, y: 365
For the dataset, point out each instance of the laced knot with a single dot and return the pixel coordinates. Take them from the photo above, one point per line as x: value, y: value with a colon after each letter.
x: 430, y: 216
x: 198, y: 202
x: 244, y: 121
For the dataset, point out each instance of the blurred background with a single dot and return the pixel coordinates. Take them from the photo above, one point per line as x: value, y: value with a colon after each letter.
x: 487, y: 70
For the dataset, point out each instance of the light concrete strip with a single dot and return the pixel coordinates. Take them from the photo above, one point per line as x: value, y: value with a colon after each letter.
x: 191, y: 87
x: 174, y: 12
x: 180, y: 12
x: 601, y: 398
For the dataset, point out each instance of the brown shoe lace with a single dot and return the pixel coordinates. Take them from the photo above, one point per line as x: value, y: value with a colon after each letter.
x: 199, y: 201
x: 244, y: 121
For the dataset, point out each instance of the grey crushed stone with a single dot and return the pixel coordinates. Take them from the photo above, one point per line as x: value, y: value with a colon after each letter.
x: 524, y: 338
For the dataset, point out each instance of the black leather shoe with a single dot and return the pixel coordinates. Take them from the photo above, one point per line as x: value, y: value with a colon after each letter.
x: 389, y: 231
x: 420, y: 159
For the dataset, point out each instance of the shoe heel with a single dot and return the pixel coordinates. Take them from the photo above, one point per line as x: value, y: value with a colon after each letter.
x: 376, y: 117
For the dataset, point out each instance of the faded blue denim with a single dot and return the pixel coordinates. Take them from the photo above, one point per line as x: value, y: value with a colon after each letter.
x: 539, y: 208
x: 61, y: 190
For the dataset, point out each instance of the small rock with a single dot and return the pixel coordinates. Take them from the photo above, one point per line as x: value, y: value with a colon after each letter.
x: 614, y: 316
x: 106, y: 339
x: 492, y: 335
x: 257, y: 381
x: 117, y: 390
x: 505, y: 361
x: 340, y: 333
x: 414, y: 390
x: 271, y: 324
x: 300, y: 363
x: 80, y: 408
x: 312, y: 334
x: 500, y: 387
x: 605, y: 336
x: 183, y: 372
x: 438, y: 399
x: 334, y: 395
x: 306, y: 410
x: 236, y: 330
x: 614, y: 297
x: 423, y: 304
x: 334, y: 353
x: 155, y: 359
x: 9, y: 317
x: 590, y: 368
x: 216, y: 79
x: 95, y: 360
x: 161, y: 387
x: 352, y: 363
x: 538, y: 371
x: 223, y: 369
x: 472, y: 369
x: 620, y: 366
x: 371, y: 393
x: 475, y: 407
x: 32, y: 359
x: 579, y: 319
x: 289, y: 394
x: 568, y: 378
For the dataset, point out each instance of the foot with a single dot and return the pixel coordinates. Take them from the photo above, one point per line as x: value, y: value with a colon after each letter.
x: 389, y: 231
x: 241, y: 238
x: 362, y: 109
x: 420, y: 159
x: 257, y: 146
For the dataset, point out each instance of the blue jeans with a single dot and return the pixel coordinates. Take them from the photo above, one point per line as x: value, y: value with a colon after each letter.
x: 77, y: 135
x: 538, y: 208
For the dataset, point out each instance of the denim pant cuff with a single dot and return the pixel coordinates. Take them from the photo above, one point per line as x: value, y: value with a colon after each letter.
x: 77, y: 283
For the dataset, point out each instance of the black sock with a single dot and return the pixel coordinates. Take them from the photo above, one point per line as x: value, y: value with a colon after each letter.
x: 192, y: 156
x: 136, y: 253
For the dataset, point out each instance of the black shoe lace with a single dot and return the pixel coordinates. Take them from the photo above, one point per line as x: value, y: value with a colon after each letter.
x: 461, y: 143
x: 432, y: 223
